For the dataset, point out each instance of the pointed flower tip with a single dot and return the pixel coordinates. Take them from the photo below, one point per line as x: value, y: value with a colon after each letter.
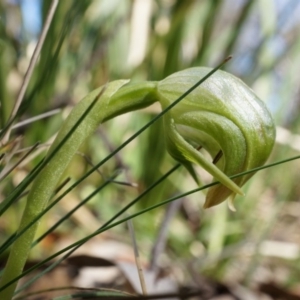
x: 231, y: 204
x: 206, y: 205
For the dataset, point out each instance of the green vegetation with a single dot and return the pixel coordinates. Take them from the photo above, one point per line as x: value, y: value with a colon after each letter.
x: 92, y: 44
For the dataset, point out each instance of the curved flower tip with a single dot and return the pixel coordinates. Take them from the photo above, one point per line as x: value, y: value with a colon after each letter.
x: 230, y: 203
x: 225, y: 117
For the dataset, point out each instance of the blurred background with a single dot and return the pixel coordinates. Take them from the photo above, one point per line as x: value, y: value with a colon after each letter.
x: 93, y: 42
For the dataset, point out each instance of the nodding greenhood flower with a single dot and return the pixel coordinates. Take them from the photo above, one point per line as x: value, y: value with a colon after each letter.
x: 222, y: 115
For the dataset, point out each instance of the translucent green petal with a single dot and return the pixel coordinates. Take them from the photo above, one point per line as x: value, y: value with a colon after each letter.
x: 221, y: 100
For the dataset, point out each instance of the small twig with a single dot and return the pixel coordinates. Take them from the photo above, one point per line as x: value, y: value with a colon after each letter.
x: 39, y: 149
x: 110, y: 147
x: 130, y: 184
x: 160, y: 244
x: 89, y: 161
x: 15, y: 144
x: 119, y: 161
x: 31, y: 66
x: 44, y: 145
x: 62, y: 185
x: 22, y: 195
x: 137, y: 258
x: 36, y: 118
x: 218, y: 157
x: 6, y: 171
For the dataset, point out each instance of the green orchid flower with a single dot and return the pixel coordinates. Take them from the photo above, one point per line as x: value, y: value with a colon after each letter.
x: 222, y: 115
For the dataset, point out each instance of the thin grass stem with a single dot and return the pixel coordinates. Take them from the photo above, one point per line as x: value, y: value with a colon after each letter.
x: 36, y: 118
x: 72, y: 211
x: 107, y: 226
x: 4, y: 172
x: 31, y: 66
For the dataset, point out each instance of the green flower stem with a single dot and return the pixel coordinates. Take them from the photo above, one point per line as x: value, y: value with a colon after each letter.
x: 132, y: 97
